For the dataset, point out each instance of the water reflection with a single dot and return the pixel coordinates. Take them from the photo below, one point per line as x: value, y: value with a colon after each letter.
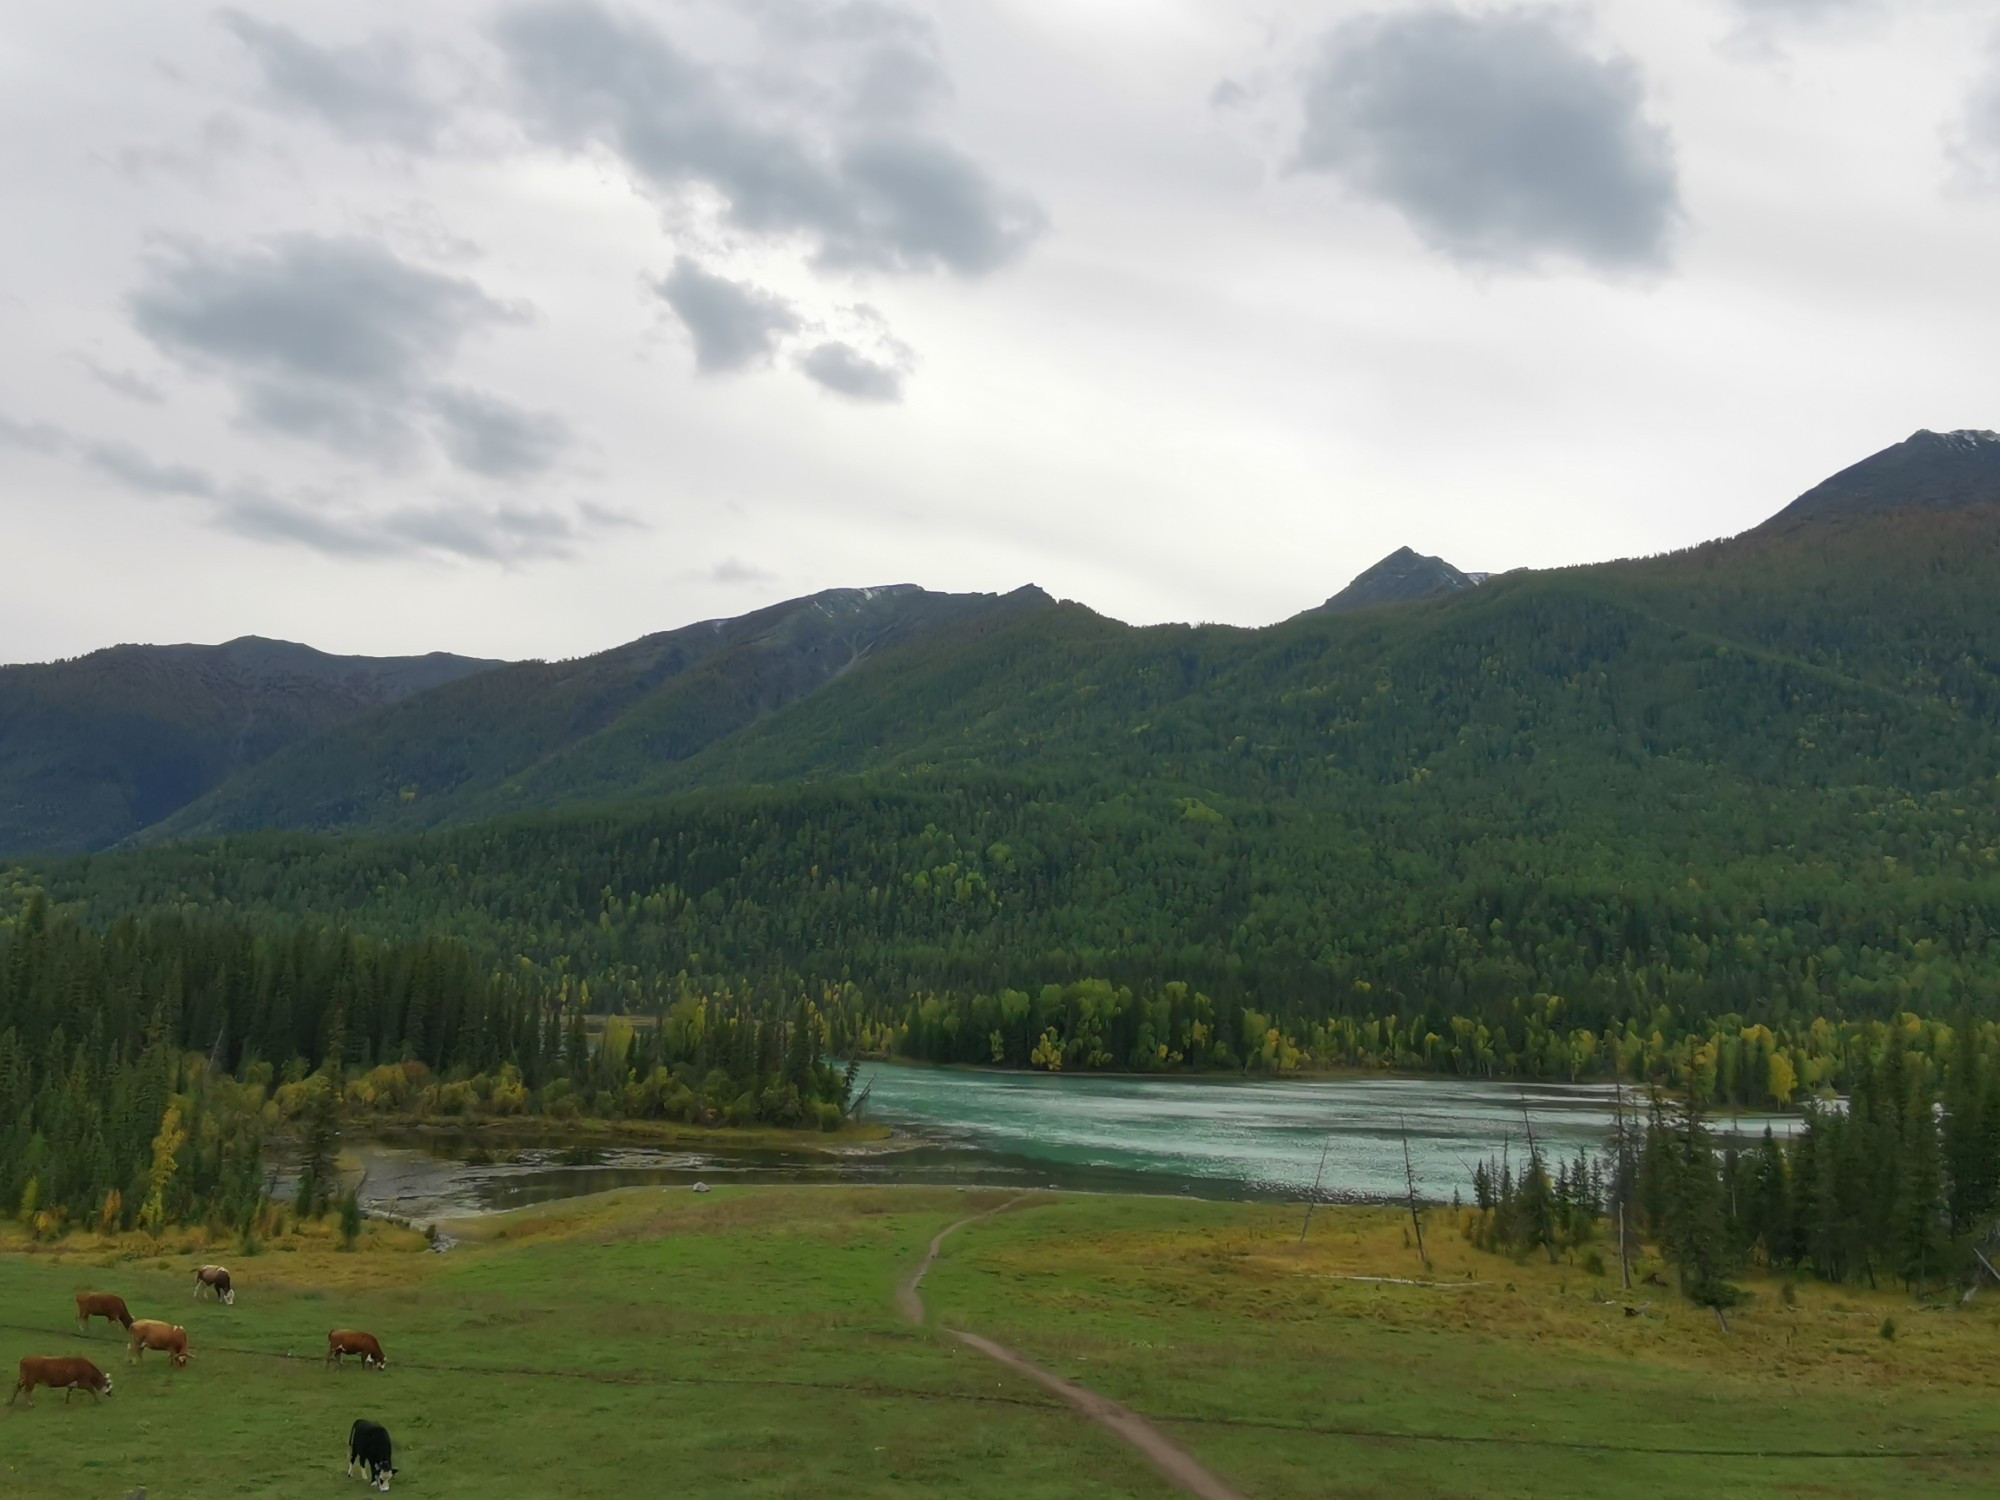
x: 1215, y: 1139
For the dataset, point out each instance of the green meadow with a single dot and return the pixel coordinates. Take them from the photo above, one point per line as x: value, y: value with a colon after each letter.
x: 746, y: 1342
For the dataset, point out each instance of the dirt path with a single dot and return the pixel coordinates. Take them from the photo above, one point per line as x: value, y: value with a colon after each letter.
x: 1180, y: 1467
x: 907, y: 1300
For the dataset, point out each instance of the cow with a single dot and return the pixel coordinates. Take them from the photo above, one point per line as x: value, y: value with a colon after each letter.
x: 101, y: 1305
x: 368, y: 1445
x: 65, y: 1373
x: 216, y: 1279
x: 352, y: 1341
x: 170, y: 1338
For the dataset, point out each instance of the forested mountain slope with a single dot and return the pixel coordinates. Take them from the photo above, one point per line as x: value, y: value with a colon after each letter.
x: 96, y: 748
x: 595, y: 728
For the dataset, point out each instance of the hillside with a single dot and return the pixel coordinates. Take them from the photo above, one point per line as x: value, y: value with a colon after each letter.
x: 596, y: 728
x: 98, y: 747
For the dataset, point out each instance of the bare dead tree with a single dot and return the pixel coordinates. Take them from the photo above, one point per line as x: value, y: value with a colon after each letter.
x: 1410, y: 1186
x: 1318, y: 1177
x: 1620, y: 1167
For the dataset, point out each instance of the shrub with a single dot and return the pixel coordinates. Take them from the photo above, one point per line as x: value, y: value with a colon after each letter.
x: 1889, y: 1329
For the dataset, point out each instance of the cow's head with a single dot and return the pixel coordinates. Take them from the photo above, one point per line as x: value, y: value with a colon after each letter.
x: 181, y: 1357
x: 380, y: 1362
x: 103, y: 1384
x: 382, y: 1478
x: 229, y: 1297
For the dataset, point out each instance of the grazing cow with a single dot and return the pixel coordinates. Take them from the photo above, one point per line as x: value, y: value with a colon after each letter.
x: 216, y: 1279
x: 64, y: 1373
x: 368, y: 1445
x: 353, y: 1341
x: 170, y: 1338
x: 101, y: 1305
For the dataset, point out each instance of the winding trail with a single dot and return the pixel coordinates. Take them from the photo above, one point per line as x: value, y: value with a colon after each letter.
x: 1179, y: 1467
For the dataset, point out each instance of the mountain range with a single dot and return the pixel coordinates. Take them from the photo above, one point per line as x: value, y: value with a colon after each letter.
x: 1869, y: 598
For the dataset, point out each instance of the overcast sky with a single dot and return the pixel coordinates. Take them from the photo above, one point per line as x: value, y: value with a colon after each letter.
x: 525, y: 329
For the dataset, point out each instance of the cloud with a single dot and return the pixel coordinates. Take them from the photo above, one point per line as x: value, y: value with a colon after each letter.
x: 36, y: 437
x: 338, y: 342
x: 135, y: 471
x: 875, y: 61
x: 367, y: 92
x: 124, y: 382
x: 863, y: 186
x: 504, y: 534
x: 844, y: 370
x: 1975, y: 142
x: 1497, y: 136
x: 488, y: 435
x: 735, y: 570
x: 734, y: 325
x: 509, y: 534
x: 1807, y: 11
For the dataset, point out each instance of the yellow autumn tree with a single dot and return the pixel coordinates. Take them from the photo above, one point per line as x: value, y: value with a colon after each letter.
x: 166, y: 1146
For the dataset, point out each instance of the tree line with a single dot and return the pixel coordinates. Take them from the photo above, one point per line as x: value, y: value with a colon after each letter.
x: 1897, y: 1183
x: 144, y: 1067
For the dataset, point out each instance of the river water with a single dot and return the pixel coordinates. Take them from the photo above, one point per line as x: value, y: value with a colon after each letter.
x: 1339, y: 1139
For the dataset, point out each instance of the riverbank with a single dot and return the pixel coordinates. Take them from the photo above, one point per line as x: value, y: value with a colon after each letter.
x: 748, y: 1342
x: 521, y: 1131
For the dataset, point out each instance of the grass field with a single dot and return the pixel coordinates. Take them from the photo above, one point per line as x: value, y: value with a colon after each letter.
x: 745, y: 1342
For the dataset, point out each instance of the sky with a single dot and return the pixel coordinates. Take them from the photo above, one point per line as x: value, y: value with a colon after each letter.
x: 524, y: 329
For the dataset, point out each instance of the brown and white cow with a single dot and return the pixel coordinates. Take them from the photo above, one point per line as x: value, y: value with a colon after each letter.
x: 60, y: 1372
x: 216, y: 1279
x: 101, y: 1305
x: 352, y: 1341
x: 169, y: 1338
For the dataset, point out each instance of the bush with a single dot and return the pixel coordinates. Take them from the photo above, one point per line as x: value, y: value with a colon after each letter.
x: 1593, y: 1263
x: 1889, y: 1329
x: 350, y: 1221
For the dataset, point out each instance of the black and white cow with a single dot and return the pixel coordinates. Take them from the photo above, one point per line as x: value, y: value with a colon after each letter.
x: 368, y: 1445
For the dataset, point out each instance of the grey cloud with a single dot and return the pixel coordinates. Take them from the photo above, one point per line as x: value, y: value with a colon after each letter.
x: 268, y: 520
x: 735, y: 570
x: 366, y: 92
x: 124, y: 382
x: 340, y: 343
x: 494, y: 437
x: 36, y: 437
x: 734, y: 325
x: 1977, y: 146
x: 605, y: 518
x: 133, y: 469
x: 359, y: 424
x: 1498, y: 137
x: 475, y: 533
x: 843, y: 369
x: 1801, y: 10
x: 886, y: 61
x: 864, y: 193
x: 310, y: 308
